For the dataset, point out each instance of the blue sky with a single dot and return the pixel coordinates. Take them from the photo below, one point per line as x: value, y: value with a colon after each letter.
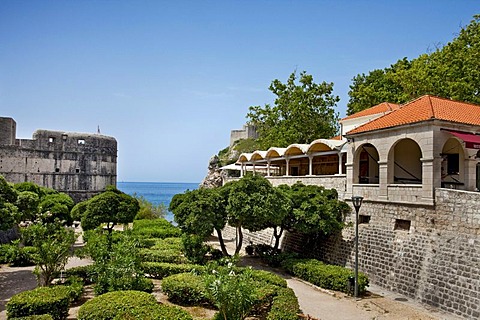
x: 170, y: 79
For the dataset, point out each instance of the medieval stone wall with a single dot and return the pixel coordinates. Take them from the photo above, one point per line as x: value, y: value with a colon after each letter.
x: 79, y: 164
x: 430, y: 254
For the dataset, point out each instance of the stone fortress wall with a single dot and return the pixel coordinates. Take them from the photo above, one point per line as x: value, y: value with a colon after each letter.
x: 430, y: 254
x: 247, y: 132
x: 79, y: 164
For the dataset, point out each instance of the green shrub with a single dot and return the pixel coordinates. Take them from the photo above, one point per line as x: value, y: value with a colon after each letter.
x: 17, y: 256
x: 129, y: 305
x: 111, y: 304
x: 194, y: 247
x: 151, y: 255
x: 284, y: 306
x: 160, y: 270
x: 75, y: 287
x: 35, y: 317
x: 156, y: 228
x: 323, y: 275
x: 185, y: 289
x: 269, y: 277
x: 52, y: 300
x: 86, y: 273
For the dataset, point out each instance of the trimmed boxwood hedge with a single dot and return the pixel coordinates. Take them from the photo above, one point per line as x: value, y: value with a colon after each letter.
x: 129, y: 305
x: 324, y: 275
x: 156, y: 228
x: 284, y: 305
x: 185, y: 289
x: 160, y: 270
x: 170, y: 255
x: 52, y: 300
x: 35, y: 317
x: 86, y: 273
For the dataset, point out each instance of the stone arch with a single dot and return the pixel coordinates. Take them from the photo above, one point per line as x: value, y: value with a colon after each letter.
x: 404, y: 162
x: 366, y: 169
x: 453, y: 164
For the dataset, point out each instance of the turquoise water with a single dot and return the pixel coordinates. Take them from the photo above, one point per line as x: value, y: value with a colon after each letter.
x: 156, y: 192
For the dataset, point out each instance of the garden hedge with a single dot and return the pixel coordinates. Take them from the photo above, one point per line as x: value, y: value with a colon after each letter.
x: 160, y: 270
x: 152, y: 255
x: 156, y: 228
x: 35, y: 317
x: 324, y: 275
x: 129, y: 305
x: 44, y: 300
x: 185, y: 289
x: 284, y: 305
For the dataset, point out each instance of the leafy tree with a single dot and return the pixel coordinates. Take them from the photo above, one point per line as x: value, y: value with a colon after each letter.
x: 315, y: 209
x: 56, y: 206
x: 200, y: 212
x: 452, y: 71
x: 52, y: 243
x: 8, y: 215
x: 27, y: 204
x: 111, y: 207
x: 301, y: 113
x: 7, y: 192
x: 254, y: 204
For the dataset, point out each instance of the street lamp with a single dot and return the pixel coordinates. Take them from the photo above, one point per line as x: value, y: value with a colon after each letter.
x: 357, y: 203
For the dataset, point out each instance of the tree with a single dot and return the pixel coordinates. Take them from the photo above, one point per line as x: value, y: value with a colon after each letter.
x: 52, y: 244
x: 56, y: 206
x: 7, y: 192
x: 111, y: 207
x: 27, y: 204
x: 200, y: 212
x: 452, y: 71
x: 302, y: 112
x: 315, y: 209
x: 253, y: 204
x: 8, y: 215
x: 149, y: 210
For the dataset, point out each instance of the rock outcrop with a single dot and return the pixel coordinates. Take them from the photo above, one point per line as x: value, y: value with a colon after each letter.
x: 214, y: 176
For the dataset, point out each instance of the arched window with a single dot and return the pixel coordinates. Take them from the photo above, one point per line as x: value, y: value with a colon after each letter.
x: 452, y: 170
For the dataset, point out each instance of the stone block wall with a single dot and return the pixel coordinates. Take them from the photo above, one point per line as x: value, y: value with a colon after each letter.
x: 428, y: 253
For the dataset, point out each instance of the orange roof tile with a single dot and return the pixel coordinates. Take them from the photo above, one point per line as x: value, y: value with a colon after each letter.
x: 422, y: 109
x: 383, y: 107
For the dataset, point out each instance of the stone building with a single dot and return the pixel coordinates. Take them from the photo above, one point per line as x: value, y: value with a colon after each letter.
x: 417, y: 167
x: 79, y: 164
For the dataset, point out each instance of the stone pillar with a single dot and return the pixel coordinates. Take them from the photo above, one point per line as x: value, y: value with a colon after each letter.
x: 470, y: 174
x: 287, y: 173
x: 340, y: 161
x: 241, y: 170
x: 383, y: 173
x: 268, y: 168
x: 253, y: 163
x: 430, y: 179
x: 349, y: 189
x: 310, y: 165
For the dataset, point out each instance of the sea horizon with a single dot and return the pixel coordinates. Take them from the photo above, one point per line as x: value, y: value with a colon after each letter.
x: 156, y: 192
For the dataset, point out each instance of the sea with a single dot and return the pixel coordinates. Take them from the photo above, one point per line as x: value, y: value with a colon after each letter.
x: 156, y: 192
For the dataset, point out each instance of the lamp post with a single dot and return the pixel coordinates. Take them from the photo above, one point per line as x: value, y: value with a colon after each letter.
x: 357, y: 203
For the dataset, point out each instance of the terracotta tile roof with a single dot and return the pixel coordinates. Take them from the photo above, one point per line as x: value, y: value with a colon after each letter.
x: 423, y: 109
x: 383, y: 107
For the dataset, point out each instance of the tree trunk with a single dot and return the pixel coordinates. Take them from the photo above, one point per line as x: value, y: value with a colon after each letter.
x: 222, y: 243
x: 277, y: 237
x: 239, y: 240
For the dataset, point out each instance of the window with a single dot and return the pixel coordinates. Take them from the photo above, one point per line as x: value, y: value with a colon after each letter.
x: 453, y: 164
x: 363, y: 219
x: 77, y: 170
x: 402, y: 225
x: 51, y: 140
x: 57, y: 169
x: 81, y: 141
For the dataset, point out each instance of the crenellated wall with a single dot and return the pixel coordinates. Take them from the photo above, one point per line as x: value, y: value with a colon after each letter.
x: 79, y: 164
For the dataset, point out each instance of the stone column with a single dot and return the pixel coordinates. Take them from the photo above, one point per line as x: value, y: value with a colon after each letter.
x: 340, y: 161
x: 268, y: 168
x: 287, y: 173
x: 383, y: 179
x: 310, y: 165
x: 430, y: 178
x: 241, y: 170
x: 470, y: 174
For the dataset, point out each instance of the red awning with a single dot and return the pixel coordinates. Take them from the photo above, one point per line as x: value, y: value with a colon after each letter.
x: 472, y: 141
